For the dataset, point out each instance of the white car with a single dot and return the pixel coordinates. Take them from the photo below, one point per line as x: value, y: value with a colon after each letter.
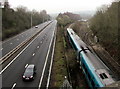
x: 36, y: 26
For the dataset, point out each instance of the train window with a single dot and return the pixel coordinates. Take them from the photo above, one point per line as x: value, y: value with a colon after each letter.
x: 103, y: 76
x: 85, y: 68
x: 71, y: 33
x: 89, y: 76
x: 93, y: 84
x: 73, y: 44
x: 86, y: 71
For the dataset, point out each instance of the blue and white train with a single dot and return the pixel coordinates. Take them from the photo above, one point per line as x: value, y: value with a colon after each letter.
x: 96, y: 72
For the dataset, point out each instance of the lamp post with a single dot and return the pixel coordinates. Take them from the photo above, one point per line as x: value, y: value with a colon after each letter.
x: 32, y: 13
x: 31, y: 19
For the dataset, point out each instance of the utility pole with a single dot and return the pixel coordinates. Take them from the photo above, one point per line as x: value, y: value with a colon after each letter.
x: 43, y: 18
x: 31, y: 19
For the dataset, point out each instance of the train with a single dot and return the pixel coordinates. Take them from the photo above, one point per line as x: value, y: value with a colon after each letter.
x: 96, y: 72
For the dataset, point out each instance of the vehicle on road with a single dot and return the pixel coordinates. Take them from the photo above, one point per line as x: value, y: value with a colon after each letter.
x: 30, y: 72
x: 36, y: 26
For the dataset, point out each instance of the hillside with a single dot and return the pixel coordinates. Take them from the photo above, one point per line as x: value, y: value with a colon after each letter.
x: 105, y: 26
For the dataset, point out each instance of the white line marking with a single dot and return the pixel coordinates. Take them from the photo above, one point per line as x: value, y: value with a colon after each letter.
x: 17, y: 39
x: 18, y: 55
x: 13, y: 85
x: 1, y: 49
x: 11, y: 43
x: 33, y: 54
x: 37, y: 46
x: 45, y: 63
x: 48, y: 81
x: 26, y: 65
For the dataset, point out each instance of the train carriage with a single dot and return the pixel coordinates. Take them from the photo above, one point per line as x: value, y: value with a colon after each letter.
x: 96, y: 72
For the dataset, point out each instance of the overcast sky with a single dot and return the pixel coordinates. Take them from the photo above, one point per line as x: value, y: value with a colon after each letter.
x: 57, y: 6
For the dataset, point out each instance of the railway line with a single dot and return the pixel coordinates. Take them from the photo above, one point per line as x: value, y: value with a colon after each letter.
x: 96, y: 72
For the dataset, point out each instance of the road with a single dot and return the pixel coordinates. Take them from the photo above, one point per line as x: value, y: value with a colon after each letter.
x: 13, y: 42
x: 35, y: 53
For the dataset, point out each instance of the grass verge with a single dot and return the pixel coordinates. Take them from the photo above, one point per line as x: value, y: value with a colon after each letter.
x: 59, y: 70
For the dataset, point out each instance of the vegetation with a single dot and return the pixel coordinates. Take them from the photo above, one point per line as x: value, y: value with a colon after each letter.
x: 59, y: 64
x: 64, y: 60
x: 67, y: 18
x: 16, y: 21
x: 104, y: 25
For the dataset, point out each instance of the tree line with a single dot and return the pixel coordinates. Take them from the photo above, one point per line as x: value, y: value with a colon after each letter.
x: 105, y: 25
x: 18, y: 20
x: 67, y: 18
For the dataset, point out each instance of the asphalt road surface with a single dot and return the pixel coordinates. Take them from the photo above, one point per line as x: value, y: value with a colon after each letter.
x: 34, y: 53
x: 8, y: 45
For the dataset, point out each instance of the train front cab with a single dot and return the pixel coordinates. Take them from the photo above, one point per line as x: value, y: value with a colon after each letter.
x: 72, y: 42
x: 74, y: 46
x: 91, y: 77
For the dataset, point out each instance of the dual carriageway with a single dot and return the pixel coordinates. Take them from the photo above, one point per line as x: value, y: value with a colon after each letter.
x: 34, y: 46
x: 38, y: 50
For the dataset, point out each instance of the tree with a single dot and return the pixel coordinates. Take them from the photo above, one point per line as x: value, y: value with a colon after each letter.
x: 104, y: 25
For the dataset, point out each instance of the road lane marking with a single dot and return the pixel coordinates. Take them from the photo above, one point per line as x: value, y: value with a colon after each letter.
x: 48, y: 81
x: 23, y: 33
x: 33, y: 54
x: 11, y: 43
x: 17, y: 39
x: 12, y: 38
x: 13, y: 86
x: 46, y: 59
x: 1, y: 49
x: 38, y: 47
x: 26, y: 65
x: 18, y: 54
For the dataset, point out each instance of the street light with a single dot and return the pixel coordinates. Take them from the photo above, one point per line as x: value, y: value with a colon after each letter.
x: 31, y: 19
x: 32, y: 13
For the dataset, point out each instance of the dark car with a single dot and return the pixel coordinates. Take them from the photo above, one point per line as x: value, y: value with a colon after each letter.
x: 30, y: 72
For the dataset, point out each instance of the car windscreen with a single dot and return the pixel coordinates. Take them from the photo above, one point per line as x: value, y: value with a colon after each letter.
x: 28, y: 71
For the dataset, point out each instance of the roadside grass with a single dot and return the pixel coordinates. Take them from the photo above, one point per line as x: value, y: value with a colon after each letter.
x: 59, y: 70
x: 65, y: 63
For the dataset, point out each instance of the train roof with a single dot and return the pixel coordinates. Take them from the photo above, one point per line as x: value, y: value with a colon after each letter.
x: 98, y: 64
x: 102, y: 71
x: 100, y: 68
x: 77, y: 39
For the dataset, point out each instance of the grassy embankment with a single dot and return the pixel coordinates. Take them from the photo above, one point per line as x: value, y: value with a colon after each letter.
x: 65, y: 64
x: 59, y: 70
